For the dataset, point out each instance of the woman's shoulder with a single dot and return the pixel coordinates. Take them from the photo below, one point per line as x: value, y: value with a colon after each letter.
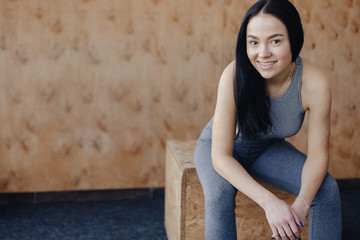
x: 313, y: 72
x: 228, y: 74
x: 230, y: 68
x: 315, y: 81
x: 314, y: 75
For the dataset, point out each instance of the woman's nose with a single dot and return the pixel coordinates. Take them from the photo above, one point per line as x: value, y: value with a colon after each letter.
x: 264, y: 51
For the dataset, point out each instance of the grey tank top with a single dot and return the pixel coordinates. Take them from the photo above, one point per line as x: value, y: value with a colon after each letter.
x: 286, y: 112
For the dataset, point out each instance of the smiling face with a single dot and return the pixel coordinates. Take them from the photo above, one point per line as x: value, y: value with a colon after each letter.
x: 268, y: 46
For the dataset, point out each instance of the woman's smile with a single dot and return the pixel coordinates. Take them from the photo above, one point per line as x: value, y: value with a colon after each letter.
x: 266, y: 64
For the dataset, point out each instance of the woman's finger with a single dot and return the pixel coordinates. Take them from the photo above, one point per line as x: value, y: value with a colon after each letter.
x: 289, y: 232
x: 282, y: 234
x: 275, y: 233
x: 297, y: 219
x: 296, y: 226
x: 295, y: 229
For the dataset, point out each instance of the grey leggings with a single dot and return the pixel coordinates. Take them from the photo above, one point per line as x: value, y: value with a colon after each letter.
x: 276, y: 162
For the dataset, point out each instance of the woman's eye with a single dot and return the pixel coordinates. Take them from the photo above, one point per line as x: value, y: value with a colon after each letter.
x: 252, y: 42
x: 275, y: 41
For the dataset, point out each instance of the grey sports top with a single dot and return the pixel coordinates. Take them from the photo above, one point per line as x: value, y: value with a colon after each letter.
x: 286, y: 112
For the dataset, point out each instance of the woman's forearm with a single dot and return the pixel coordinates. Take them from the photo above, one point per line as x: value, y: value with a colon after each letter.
x: 234, y: 173
x: 313, y: 174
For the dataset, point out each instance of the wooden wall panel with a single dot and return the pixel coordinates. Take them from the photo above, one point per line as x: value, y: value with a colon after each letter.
x: 91, y: 90
x: 331, y: 37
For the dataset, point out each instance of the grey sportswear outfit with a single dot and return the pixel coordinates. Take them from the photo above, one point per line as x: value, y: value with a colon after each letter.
x: 273, y: 160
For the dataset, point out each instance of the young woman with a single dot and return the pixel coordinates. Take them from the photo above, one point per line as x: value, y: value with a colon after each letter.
x: 262, y: 99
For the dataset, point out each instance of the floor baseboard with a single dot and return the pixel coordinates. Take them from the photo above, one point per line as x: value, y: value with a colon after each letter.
x: 79, y: 196
x: 112, y: 195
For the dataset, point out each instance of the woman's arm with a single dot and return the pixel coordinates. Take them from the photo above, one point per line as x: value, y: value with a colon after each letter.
x: 316, y: 94
x: 282, y: 219
x: 223, y: 134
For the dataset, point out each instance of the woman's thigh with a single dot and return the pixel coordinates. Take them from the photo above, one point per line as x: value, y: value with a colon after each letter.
x: 211, y: 181
x: 280, y: 165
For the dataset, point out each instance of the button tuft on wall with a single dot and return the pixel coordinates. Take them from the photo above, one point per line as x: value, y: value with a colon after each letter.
x: 21, y: 54
x: 161, y: 55
x: 39, y: 13
x: 14, y: 97
x: 3, y: 43
x: 57, y: 51
x: 168, y: 124
x: 25, y: 144
x: 117, y: 93
x: 354, y: 27
x: 102, y: 123
x: 48, y: 93
x: 94, y: 56
x: 57, y: 26
x: 156, y: 1
x: 8, y: 142
x: 87, y: 97
x: 209, y: 3
x: 66, y: 149
x: 4, y: 182
x: 32, y: 125
x: 97, y: 143
x: 67, y: 107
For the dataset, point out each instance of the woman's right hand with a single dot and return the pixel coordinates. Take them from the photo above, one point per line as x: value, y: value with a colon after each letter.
x: 283, y: 220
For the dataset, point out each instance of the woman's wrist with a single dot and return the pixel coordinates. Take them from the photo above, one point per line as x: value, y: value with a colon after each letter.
x: 267, y: 200
x: 304, y: 203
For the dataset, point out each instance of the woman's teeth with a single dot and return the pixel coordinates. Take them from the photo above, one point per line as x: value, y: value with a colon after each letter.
x: 266, y: 63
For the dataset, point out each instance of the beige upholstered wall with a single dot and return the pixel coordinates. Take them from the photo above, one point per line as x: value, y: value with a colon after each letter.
x: 332, y: 41
x: 91, y: 90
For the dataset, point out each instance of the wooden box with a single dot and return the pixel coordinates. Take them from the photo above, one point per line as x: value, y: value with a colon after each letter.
x: 184, y: 200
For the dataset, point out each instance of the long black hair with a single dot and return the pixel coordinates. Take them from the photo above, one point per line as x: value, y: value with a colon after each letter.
x: 251, y: 97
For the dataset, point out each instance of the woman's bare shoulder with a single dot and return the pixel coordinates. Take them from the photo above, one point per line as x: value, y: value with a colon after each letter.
x: 230, y: 68
x: 314, y: 72
x: 228, y: 73
x: 316, y: 82
x: 315, y: 76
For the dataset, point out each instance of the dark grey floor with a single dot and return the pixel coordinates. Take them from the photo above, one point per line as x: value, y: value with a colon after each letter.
x: 138, y: 218
x: 141, y: 218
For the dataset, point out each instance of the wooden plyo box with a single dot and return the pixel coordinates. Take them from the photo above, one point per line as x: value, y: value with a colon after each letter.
x: 184, y: 200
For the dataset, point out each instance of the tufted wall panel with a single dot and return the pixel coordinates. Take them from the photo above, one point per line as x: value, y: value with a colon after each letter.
x: 91, y: 90
x: 332, y: 41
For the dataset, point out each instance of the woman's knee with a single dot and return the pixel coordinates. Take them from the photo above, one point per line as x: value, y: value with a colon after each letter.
x: 220, y: 196
x: 329, y: 190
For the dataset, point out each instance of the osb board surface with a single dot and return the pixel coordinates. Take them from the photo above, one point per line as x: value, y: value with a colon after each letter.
x: 194, y: 211
x: 179, y: 164
x: 250, y: 218
x: 183, y: 152
x: 174, y: 203
x: 90, y: 90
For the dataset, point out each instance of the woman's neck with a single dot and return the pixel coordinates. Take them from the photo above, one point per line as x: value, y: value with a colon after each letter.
x: 277, y: 86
